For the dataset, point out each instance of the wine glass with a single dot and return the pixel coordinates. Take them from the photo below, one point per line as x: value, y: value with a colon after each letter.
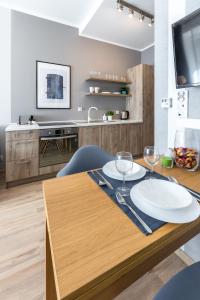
x: 151, y: 156
x: 124, y: 164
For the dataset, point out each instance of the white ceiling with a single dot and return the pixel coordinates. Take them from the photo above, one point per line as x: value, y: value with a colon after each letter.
x: 96, y: 19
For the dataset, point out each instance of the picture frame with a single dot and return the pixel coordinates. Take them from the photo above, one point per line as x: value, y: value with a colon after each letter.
x: 53, y: 85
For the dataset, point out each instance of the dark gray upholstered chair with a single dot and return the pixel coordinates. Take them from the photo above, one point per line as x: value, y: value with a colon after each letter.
x: 86, y: 158
x: 183, y: 286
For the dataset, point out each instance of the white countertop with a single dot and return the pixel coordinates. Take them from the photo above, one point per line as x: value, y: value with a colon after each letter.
x: 81, y: 123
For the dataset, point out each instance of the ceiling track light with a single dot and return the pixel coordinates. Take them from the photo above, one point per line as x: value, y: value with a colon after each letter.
x: 151, y: 22
x: 141, y: 18
x: 121, y: 4
x: 131, y: 13
x: 119, y: 7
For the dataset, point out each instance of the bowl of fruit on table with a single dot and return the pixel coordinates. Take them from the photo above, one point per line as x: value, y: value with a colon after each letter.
x: 186, y: 158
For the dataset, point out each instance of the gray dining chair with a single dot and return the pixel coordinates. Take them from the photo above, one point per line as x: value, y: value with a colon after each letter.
x: 84, y: 159
x: 183, y: 286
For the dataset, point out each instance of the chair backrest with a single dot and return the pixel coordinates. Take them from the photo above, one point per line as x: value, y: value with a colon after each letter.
x: 86, y: 158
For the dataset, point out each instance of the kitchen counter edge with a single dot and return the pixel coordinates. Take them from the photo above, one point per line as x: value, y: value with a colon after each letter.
x: 17, y: 127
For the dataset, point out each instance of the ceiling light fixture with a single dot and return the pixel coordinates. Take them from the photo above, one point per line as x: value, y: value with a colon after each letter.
x: 131, y: 13
x: 119, y: 7
x: 121, y: 4
x: 141, y: 18
x: 151, y: 22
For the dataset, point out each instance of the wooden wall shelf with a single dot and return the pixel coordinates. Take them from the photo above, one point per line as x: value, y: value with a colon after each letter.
x: 107, y: 80
x: 108, y: 95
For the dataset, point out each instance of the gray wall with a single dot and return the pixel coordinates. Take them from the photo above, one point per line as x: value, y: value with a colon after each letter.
x: 38, y: 39
x: 147, y: 56
x: 194, y: 93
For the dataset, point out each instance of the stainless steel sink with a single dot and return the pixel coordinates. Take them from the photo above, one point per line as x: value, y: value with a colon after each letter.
x: 95, y: 122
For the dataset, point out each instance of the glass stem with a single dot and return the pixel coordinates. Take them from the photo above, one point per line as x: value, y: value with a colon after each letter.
x: 123, y: 186
x: 151, y: 172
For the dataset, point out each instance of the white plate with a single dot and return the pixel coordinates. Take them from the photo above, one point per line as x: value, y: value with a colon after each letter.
x: 163, y: 194
x: 136, y: 173
x: 184, y: 215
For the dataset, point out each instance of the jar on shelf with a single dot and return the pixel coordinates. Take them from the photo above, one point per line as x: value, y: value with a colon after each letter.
x: 186, y: 149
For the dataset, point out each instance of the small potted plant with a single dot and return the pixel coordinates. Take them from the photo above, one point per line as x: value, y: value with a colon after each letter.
x: 110, y: 114
x: 124, y: 90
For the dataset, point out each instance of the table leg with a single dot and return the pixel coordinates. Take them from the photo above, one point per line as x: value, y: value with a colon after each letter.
x: 50, y: 282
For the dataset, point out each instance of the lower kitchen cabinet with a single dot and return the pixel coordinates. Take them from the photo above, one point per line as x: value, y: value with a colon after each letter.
x: 114, y: 138
x: 135, y: 139
x: 22, y: 169
x: 90, y: 135
x: 22, y: 147
x: 22, y: 155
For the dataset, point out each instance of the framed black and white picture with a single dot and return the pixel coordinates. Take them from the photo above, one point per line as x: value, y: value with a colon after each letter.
x: 53, y: 85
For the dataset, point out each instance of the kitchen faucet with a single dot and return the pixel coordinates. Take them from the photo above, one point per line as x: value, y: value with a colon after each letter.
x: 89, y: 110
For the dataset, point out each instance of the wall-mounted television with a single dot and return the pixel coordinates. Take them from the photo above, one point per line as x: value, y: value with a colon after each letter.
x: 186, y: 41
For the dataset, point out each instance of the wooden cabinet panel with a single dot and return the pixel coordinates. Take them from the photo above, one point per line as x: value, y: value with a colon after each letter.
x: 19, y: 150
x: 16, y: 170
x: 22, y: 135
x: 22, y: 154
x: 114, y: 138
x: 90, y: 136
x: 134, y: 138
x: 148, y: 106
x: 141, y: 103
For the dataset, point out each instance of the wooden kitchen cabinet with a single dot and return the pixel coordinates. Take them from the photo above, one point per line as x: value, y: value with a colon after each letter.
x: 135, y: 139
x: 114, y: 138
x: 22, y: 155
x: 22, y: 150
x: 89, y: 135
x: 141, y: 104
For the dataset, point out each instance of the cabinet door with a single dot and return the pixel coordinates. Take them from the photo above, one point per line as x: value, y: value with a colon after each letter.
x: 22, y: 135
x: 16, y: 170
x: 114, y: 138
x: 90, y: 135
x: 21, y: 150
x: 22, y: 155
x: 134, y: 139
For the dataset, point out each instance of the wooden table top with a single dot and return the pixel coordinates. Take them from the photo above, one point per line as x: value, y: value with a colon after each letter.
x: 93, y: 243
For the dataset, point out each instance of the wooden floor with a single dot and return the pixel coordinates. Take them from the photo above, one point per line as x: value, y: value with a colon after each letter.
x: 22, y: 227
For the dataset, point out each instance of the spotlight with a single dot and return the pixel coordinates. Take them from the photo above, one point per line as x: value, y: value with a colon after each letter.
x: 131, y: 12
x: 151, y: 22
x: 120, y: 7
x: 141, y: 18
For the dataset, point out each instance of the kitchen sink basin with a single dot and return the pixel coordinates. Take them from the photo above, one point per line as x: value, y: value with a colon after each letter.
x: 95, y: 121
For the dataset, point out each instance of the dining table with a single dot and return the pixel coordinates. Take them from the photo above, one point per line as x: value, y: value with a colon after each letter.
x: 93, y: 250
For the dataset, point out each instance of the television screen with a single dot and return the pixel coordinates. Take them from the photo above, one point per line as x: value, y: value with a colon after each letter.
x: 186, y: 39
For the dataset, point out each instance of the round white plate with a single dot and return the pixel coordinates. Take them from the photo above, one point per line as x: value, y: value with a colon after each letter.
x: 184, y: 215
x: 163, y: 194
x: 136, y: 173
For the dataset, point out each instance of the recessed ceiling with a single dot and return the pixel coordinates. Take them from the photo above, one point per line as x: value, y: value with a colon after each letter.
x: 108, y: 24
x: 97, y: 19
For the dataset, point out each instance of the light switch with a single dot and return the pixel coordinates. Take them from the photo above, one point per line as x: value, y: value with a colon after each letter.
x: 80, y: 108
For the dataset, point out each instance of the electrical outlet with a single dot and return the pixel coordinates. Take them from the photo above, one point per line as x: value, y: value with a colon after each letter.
x: 166, y: 102
x: 80, y: 108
